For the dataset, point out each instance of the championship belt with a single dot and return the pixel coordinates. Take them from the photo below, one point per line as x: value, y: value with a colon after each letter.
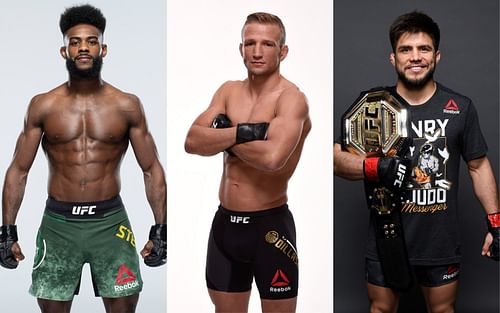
x: 376, y: 126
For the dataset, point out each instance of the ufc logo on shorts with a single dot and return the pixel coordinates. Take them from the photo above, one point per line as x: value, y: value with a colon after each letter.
x: 240, y: 219
x: 83, y: 209
x: 400, y: 175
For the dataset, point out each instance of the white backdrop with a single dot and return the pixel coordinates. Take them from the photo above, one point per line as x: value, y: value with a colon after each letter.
x: 31, y: 64
x: 202, y: 53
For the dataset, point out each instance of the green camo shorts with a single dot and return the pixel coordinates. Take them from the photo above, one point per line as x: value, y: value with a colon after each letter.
x: 71, y: 235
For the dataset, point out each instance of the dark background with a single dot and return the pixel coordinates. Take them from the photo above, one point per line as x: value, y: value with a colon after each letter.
x: 469, y: 65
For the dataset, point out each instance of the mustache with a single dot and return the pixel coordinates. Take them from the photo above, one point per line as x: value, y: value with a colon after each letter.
x: 90, y: 73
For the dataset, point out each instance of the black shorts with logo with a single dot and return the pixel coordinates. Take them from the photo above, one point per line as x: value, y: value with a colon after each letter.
x: 243, y: 245
x: 424, y: 275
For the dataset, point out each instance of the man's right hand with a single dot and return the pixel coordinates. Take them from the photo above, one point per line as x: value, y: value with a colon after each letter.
x: 391, y: 172
x: 10, y: 252
x: 222, y: 121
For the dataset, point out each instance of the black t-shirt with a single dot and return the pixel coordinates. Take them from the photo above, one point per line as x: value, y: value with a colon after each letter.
x: 444, y: 129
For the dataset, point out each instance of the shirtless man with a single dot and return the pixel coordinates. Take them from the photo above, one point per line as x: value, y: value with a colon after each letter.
x: 260, y: 124
x: 85, y: 126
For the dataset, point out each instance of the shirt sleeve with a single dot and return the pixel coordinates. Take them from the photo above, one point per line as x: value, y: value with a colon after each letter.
x: 473, y: 144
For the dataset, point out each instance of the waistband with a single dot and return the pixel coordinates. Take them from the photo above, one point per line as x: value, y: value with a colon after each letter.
x: 277, y: 210
x: 83, y: 210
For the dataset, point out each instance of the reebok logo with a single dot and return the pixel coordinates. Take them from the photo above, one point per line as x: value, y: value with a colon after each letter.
x: 83, y: 209
x: 452, y: 272
x: 280, y: 282
x: 125, y: 279
x: 124, y: 275
x: 279, y: 279
x: 451, y: 107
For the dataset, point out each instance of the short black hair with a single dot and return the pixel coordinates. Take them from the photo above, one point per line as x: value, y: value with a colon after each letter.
x: 414, y: 22
x: 82, y: 14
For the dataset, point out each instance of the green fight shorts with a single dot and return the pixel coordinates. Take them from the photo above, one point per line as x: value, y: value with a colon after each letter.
x: 72, y: 234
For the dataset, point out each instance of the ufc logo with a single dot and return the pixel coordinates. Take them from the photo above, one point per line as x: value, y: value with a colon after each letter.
x: 84, y: 209
x: 400, y: 175
x: 240, y: 219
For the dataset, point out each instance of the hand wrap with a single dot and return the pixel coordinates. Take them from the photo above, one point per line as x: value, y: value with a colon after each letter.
x: 251, y: 131
x: 493, y: 221
x: 391, y: 172
x: 158, y: 255
x: 8, y: 235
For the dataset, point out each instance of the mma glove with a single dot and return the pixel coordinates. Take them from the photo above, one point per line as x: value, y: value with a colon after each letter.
x: 493, y: 221
x: 8, y: 236
x: 251, y: 131
x: 222, y: 121
x: 158, y: 255
x: 391, y: 172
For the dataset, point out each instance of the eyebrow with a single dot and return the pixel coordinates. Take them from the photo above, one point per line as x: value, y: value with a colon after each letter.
x: 88, y: 37
x: 410, y: 46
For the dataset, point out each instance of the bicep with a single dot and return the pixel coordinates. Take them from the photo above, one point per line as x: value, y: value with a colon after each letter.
x: 286, y: 128
x: 285, y: 131
x: 140, y: 138
x: 217, y: 106
x: 29, y: 139
x: 26, y: 148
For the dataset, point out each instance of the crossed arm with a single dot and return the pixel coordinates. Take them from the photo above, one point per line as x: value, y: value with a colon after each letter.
x: 283, y: 135
x: 284, y: 132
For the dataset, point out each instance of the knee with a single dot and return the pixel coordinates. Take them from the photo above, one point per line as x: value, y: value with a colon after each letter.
x: 382, y: 307
x: 443, y: 308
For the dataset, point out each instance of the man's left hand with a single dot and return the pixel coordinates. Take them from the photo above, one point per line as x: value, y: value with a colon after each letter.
x: 155, y: 250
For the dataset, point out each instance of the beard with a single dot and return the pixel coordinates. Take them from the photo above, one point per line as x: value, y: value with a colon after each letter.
x: 93, y: 72
x: 415, y: 84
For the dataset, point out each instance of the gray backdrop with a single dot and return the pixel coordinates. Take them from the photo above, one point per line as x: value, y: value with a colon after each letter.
x: 469, y: 65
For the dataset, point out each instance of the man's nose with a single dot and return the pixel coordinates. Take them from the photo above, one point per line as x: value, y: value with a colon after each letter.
x: 83, y: 47
x: 257, y: 51
x: 415, y: 55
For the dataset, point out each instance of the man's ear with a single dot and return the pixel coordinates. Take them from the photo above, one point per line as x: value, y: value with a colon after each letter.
x: 392, y: 59
x: 104, y: 50
x: 63, y: 52
x: 283, y: 52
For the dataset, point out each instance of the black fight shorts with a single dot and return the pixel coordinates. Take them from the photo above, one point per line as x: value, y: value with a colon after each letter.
x: 244, y: 245
x: 424, y: 275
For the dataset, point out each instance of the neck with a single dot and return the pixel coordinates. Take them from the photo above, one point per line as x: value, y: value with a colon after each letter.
x: 89, y: 85
x: 416, y: 96
x: 262, y: 83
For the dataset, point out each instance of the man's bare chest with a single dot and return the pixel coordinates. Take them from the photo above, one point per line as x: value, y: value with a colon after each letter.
x: 242, y: 109
x: 69, y: 123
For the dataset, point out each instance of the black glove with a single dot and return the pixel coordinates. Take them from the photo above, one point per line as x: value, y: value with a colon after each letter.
x: 8, y: 235
x: 493, y: 221
x: 158, y: 255
x: 251, y: 131
x: 222, y: 121
x: 391, y: 172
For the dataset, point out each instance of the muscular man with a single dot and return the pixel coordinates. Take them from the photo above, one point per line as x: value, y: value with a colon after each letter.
x: 260, y: 124
x: 85, y: 126
x: 446, y: 122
